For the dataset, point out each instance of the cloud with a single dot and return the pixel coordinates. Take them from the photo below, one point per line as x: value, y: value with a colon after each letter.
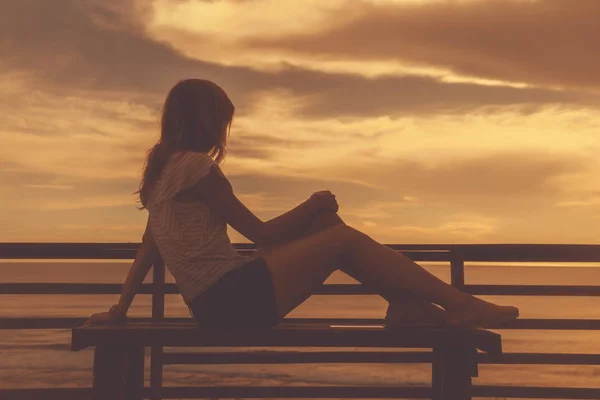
x: 77, y: 48
x: 471, y: 229
x: 49, y: 187
x: 584, y: 200
x: 543, y: 42
x: 263, y: 147
x: 482, y: 182
x: 83, y: 82
x: 327, y: 95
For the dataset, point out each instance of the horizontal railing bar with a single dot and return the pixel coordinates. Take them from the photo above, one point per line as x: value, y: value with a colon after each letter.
x: 73, y: 322
x: 531, y: 290
x: 366, y: 357
x: 552, y: 324
x: 467, y: 252
x: 327, y: 289
x: 532, y: 392
x: 128, y: 251
x: 147, y: 288
x: 323, y: 392
x: 296, y: 357
x: 77, y: 288
x: 374, y: 392
x: 535, y: 392
x: 542, y: 359
x: 47, y: 393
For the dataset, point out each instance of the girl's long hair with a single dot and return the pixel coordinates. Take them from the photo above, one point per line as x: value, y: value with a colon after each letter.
x: 196, y: 116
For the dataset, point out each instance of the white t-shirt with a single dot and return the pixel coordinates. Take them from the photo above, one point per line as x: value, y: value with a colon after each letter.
x: 192, y: 240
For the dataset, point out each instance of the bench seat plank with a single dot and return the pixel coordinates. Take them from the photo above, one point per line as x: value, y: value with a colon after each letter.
x: 189, y: 334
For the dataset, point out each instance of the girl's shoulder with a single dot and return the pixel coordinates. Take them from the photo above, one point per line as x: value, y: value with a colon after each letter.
x: 182, y: 171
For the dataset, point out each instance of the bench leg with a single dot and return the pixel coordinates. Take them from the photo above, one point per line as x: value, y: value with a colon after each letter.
x: 437, y: 375
x: 118, y: 372
x: 452, y: 371
x: 156, y: 370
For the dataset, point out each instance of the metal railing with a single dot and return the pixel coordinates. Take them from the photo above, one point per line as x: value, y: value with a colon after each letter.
x: 456, y: 255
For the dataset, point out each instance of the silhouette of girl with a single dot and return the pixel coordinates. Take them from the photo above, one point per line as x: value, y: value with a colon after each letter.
x: 190, y: 202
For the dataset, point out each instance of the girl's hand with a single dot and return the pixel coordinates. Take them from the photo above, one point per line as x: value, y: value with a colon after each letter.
x: 324, y: 200
x: 113, y: 316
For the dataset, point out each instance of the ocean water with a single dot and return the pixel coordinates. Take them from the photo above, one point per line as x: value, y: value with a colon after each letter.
x: 41, y: 358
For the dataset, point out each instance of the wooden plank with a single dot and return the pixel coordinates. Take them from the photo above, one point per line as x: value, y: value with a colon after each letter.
x: 74, y: 322
x: 327, y: 289
x: 531, y: 290
x: 297, y: 357
x: 528, y: 252
x: 147, y: 288
x: 83, y: 251
x: 477, y: 252
x: 486, y: 391
x: 542, y: 358
x: 47, y: 394
x: 552, y: 324
x: 118, y: 372
x: 407, y: 357
x: 72, y: 288
x: 149, y: 335
x: 536, y: 392
x: 125, y: 251
x: 323, y: 392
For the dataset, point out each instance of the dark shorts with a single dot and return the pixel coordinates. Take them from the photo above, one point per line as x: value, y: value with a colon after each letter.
x: 243, y: 299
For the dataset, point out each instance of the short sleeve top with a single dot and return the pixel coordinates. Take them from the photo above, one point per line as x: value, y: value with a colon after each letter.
x: 192, y: 239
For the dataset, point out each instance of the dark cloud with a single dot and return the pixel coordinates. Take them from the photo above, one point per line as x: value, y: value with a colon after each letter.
x: 353, y: 95
x: 263, y: 147
x: 548, y: 42
x: 93, y: 49
x: 250, y: 152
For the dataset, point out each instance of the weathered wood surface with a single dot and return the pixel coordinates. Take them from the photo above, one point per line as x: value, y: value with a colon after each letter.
x: 285, y: 334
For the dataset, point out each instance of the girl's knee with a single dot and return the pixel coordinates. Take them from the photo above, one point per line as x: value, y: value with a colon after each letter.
x: 352, y: 234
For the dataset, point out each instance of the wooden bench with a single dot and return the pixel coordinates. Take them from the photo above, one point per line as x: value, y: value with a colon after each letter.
x: 119, y: 357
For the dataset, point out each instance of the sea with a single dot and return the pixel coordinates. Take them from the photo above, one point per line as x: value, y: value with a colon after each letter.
x: 41, y: 358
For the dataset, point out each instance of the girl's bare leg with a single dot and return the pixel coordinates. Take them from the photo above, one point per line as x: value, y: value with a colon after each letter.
x: 404, y: 307
x: 298, y: 267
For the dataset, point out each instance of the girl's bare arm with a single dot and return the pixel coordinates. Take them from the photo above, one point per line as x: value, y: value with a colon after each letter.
x: 144, y: 259
x: 218, y: 193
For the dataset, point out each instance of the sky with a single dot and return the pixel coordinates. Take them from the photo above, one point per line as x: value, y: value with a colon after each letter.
x: 473, y: 121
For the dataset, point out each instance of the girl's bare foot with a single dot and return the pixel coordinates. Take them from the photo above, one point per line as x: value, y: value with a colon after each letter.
x: 477, y: 313
x: 412, y: 311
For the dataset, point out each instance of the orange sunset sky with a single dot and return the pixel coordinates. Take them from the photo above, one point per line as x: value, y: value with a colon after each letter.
x: 431, y: 121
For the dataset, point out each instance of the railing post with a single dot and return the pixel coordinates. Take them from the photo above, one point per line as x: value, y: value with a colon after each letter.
x: 457, y: 270
x: 158, y: 312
